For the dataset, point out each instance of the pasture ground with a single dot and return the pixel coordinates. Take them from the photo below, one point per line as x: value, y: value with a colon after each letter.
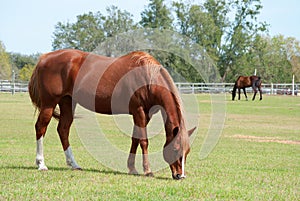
x: 257, y: 158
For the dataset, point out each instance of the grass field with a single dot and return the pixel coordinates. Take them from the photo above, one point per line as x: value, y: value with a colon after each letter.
x: 257, y: 158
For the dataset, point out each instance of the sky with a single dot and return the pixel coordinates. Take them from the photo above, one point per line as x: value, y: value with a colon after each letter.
x: 27, y: 27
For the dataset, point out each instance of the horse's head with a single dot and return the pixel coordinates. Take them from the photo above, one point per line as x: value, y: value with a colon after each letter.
x: 233, y: 92
x: 176, y: 150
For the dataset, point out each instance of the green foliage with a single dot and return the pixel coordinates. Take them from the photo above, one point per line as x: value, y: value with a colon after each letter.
x: 91, y: 29
x: 23, y: 65
x: 5, y: 66
x: 85, y: 34
x: 26, y: 72
x: 20, y: 60
x: 228, y: 31
x: 276, y: 58
x: 156, y: 16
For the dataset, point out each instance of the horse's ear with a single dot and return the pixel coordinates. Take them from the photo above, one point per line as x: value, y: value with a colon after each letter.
x: 190, y: 132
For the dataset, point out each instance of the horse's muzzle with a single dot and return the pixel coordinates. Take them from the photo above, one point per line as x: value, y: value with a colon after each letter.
x: 178, y: 176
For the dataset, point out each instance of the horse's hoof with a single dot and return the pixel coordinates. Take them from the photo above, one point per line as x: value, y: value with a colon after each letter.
x: 77, y: 168
x: 43, y: 168
x: 133, y: 172
x: 149, y: 174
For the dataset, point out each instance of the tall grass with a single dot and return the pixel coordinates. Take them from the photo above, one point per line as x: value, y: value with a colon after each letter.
x: 250, y: 161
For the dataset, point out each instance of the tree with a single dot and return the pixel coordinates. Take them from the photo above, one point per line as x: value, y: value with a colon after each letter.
x: 85, y: 34
x: 200, y: 26
x: 5, y: 66
x: 277, y: 58
x: 293, y: 54
x: 91, y: 29
x: 19, y: 60
x: 117, y: 22
x: 157, y: 19
x: 156, y: 16
x: 114, y: 24
x: 26, y: 72
x: 227, y: 40
x: 238, y: 34
x: 23, y: 65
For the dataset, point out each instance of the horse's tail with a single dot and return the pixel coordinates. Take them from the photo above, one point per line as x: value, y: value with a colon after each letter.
x: 33, y: 88
x: 34, y: 93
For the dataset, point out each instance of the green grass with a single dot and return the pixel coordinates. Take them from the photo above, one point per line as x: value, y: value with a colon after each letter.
x: 250, y: 161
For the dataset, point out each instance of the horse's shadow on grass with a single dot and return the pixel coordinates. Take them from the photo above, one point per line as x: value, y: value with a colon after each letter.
x: 106, y: 172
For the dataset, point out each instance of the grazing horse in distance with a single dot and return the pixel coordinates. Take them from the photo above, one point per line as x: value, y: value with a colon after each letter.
x: 247, y: 81
x: 133, y: 84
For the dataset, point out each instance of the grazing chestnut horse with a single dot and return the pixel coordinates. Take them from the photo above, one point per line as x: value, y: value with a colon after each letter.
x: 247, y: 81
x: 133, y: 84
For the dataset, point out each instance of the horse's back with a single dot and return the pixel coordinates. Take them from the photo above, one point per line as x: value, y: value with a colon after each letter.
x: 247, y: 81
x: 125, y: 81
x: 56, y: 71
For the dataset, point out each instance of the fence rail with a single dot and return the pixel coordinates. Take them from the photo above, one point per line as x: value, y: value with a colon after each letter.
x: 274, y: 89
x: 189, y: 88
x: 9, y: 86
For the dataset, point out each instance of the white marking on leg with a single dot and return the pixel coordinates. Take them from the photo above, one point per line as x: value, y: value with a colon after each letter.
x: 70, y: 159
x: 40, y: 155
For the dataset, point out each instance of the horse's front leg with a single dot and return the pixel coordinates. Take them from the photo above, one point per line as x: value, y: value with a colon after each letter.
x: 260, y: 93
x: 139, y: 136
x: 146, y: 164
x: 137, y: 139
x: 131, y: 158
x: 244, y: 90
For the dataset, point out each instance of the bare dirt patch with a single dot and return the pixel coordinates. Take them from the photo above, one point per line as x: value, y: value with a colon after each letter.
x: 265, y: 139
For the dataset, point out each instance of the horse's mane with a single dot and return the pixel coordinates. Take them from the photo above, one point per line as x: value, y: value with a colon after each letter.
x: 174, y: 91
x: 155, y: 69
x: 143, y: 59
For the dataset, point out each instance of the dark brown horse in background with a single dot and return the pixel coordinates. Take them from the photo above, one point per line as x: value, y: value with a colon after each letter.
x: 247, y: 81
x: 132, y: 84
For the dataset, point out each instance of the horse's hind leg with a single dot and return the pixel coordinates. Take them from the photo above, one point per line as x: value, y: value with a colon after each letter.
x: 40, y: 128
x: 63, y: 129
x: 255, y: 92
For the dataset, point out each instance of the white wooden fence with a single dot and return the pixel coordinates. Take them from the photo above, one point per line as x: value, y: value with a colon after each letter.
x: 280, y: 89
x: 9, y: 86
x: 193, y: 88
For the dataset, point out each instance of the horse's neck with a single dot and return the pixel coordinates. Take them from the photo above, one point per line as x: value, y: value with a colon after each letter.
x: 172, y: 114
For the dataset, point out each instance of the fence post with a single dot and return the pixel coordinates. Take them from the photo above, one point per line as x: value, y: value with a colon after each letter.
x: 193, y: 88
x: 272, y: 89
x: 13, y: 83
x: 293, y: 85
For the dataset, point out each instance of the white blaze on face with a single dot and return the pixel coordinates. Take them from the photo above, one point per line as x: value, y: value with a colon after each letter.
x: 182, y: 167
